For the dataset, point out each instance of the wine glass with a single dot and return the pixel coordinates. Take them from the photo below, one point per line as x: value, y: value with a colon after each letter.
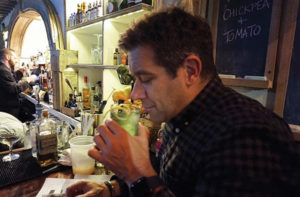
x: 9, y: 140
x: 96, y: 52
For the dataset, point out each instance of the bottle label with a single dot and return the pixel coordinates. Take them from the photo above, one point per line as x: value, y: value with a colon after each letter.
x: 46, y: 144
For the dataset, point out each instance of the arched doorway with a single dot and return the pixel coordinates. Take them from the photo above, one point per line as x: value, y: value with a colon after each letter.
x: 26, y: 13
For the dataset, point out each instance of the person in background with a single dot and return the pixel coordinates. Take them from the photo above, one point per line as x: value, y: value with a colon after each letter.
x: 216, y: 142
x: 9, y: 88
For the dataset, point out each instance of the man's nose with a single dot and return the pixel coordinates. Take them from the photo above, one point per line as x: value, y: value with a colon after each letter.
x: 138, y: 91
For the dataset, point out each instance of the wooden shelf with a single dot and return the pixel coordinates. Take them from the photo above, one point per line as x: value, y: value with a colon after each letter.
x: 116, y: 14
x: 249, y: 83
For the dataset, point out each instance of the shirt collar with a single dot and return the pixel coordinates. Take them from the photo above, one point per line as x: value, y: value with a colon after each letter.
x: 200, y: 103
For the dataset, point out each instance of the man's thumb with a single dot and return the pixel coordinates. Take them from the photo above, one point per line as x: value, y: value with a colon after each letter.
x: 143, y: 131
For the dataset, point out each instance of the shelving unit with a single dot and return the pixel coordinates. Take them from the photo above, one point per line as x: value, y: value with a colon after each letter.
x: 102, y: 34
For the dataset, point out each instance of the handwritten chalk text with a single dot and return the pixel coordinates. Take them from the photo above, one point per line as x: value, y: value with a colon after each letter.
x: 245, y: 9
x: 242, y: 33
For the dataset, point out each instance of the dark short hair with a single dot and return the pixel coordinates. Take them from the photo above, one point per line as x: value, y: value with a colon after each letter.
x: 173, y: 34
x: 5, y: 51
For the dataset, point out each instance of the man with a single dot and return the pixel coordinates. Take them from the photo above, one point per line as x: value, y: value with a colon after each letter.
x: 9, y: 88
x: 216, y: 142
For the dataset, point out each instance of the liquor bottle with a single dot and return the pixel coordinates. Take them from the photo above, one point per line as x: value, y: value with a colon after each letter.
x: 98, y: 96
x: 123, y: 5
x: 99, y: 90
x: 117, y: 57
x: 81, y: 13
x: 83, y: 10
x: 45, y: 80
x: 46, y: 141
x: 130, y: 3
x: 149, y: 2
x: 88, y: 12
x: 74, y: 19
x: 93, y: 11
x: 86, y: 94
x: 124, y: 59
x: 99, y: 9
x: 78, y: 14
x: 93, y: 92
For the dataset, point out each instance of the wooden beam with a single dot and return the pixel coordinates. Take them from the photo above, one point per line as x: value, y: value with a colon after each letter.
x: 273, y: 40
x: 250, y: 83
x: 285, y: 50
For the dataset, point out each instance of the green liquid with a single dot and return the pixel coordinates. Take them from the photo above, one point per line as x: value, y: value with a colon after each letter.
x: 128, y: 122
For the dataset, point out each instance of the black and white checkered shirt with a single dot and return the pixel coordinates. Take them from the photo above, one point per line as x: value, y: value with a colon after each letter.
x: 226, y: 144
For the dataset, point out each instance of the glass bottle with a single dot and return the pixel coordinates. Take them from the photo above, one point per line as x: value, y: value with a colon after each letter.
x: 46, y: 141
x: 123, y: 5
x: 86, y: 94
x: 99, y: 9
x: 78, y: 14
x: 130, y: 3
x: 117, y: 57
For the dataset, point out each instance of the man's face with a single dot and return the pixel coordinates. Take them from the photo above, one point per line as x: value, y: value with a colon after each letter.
x: 160, y: 93
x: 12, y: 59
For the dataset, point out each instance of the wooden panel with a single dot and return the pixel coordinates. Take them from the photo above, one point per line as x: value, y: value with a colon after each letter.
x: 285, y: 49
x: 240, y: 82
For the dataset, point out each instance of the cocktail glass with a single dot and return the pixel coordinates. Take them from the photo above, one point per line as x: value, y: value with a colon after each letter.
x: 127, y: 116
x: 9, y: 140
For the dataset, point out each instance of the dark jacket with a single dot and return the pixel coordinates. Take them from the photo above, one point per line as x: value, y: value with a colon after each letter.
x: 9, y: 91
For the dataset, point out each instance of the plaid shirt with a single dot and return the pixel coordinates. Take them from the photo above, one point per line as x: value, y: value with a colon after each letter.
x: 226, y: 144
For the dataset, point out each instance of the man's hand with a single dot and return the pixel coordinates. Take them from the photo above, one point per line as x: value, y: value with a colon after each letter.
x: 126, y: 155
x: 88, y: 188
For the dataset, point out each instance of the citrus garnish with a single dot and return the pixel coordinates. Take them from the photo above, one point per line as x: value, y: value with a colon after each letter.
x: 120, y: 108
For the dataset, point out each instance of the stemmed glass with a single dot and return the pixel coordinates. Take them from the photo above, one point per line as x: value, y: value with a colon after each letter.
x: 96, y: 52
x: 9, y: 140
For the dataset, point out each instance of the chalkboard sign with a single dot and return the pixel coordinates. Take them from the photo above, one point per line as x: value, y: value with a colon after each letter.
x: 242, y: 36
x: 292, y: 107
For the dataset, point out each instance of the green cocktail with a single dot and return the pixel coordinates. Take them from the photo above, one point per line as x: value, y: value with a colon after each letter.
x: 127, y: 116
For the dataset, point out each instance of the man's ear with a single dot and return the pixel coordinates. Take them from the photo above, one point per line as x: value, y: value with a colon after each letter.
x: 193, y: 66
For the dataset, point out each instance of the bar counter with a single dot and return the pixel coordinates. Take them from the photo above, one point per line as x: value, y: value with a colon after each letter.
x: 32, y: 187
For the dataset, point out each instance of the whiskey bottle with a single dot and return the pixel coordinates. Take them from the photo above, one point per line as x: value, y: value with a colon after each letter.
x: 86, y: 94
x: 46, y: 141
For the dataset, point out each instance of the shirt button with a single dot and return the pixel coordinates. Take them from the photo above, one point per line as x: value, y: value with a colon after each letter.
x: 186, y: 123
x: 177, y: 130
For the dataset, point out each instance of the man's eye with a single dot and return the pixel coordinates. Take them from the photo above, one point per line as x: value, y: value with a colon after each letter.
x: 146, y: 80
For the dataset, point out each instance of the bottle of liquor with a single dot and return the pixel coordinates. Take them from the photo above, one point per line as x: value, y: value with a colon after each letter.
x: 117, y: 57
x: 123, y: 5
x: 99, y: 9
x: 46, y: 141
x: 130, y: 3
x: 149, y: 2
x: 83, y: 12
x: 93, y: 11
x: 86, y: 94
x: 88, y: 12
x: 78, y: 14
x: 124, y: 59
x: 99, y: 90
x: 93, y: 92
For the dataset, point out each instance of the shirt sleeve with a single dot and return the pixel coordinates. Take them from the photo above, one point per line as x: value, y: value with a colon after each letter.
x: 8, y: 83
